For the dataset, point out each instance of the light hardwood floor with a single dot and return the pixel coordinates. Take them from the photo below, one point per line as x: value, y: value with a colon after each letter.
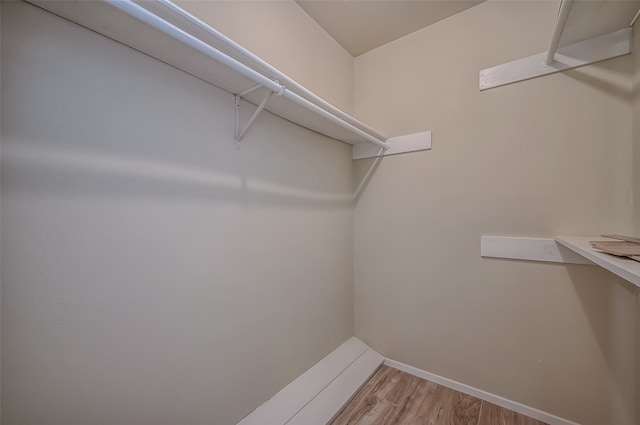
x: 393, y: 397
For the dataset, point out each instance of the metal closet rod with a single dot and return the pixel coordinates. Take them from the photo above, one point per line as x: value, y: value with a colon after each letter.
x: 237, y: 47
x: 563, y: 14
x: 143, y: 15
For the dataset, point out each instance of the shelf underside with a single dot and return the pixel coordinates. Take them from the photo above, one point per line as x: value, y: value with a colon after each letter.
x: 626, y: 268
x: 107, y: 20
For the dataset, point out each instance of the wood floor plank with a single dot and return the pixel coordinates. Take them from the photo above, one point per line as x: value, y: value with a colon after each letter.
x: 388, y: 382
x: 352, y: 409
x: 490, y: 414
x: 370, y: 410
x: 458, y: 409
x: 399, y: 387
x: 421, y: 403
x: 393, y: 397
x: 364, y: 407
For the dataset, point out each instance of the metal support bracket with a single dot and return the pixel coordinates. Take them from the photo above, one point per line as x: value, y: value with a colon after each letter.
x: 240, y: 132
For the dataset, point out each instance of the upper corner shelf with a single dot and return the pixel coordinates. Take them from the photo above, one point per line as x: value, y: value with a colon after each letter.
x: 626, y: 268
x: 585, y: 32
x: 166, y: 32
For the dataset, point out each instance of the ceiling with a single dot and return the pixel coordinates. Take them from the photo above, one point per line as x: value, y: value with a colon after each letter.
x: 363, y: 25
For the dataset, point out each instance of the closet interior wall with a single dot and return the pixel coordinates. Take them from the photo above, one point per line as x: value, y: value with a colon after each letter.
x: 152, y: 273
x: 636, y: 183
x: 636, y: 130
x: 248, y: 281
x: 543, y: 157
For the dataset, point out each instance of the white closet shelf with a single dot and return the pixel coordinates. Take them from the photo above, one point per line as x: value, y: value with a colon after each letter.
x: 586, y: 32
x: 626, y: 268
x: 166, y: 32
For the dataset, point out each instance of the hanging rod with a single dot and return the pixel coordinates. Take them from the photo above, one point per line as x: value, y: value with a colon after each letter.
x: 287, y: 81
x: 563, y: 14
x: 143, y: 15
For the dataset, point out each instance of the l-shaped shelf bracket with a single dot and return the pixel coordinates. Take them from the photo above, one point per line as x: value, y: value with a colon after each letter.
x: 240, y: 132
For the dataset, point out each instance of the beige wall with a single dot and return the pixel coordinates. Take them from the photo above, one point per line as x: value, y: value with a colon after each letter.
x: 636, y: 180
x: 636, y: 129
x: 152, y: 273
x: 280, y: 32
x: 0, y: 217
x: 537, y: 158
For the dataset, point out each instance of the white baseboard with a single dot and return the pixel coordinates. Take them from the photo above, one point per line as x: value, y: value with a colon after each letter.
x: 318, y: 395
x: 483, y: 395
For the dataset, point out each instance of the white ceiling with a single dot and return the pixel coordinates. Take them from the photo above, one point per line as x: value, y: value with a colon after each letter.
x: 363, y: 25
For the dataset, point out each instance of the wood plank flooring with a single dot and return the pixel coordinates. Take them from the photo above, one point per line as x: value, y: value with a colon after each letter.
x: 393, y: 397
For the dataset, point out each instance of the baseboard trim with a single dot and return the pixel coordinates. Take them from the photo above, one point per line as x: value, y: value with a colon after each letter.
x: 318, y: 395
x: 483, y: 395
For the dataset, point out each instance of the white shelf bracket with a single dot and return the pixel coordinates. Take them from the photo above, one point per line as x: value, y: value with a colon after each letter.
x: 561, y: 21
x: 240, y: 132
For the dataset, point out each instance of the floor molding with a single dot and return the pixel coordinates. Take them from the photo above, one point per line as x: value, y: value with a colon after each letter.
x: 483, y: 395
x: 318, y: 395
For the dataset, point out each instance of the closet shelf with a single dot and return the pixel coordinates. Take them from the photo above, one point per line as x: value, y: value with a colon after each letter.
x: 585, y: 32
x: 166, y: 32
x: 626, y: 268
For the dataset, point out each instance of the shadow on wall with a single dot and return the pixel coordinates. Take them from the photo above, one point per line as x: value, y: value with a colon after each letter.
x: 610, y: 306
x: 607, y: 77
x: 69, y: 172
x: 76, y: 173
x: 363, y: 180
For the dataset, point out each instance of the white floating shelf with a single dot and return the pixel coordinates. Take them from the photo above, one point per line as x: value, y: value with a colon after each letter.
x: 626, y: 268
x: 583, y: 53
x: 168, y: 33
x: 530, y: 249
x: 586, y: 32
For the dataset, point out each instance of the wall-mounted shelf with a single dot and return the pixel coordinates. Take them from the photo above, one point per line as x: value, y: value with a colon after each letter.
x: 165, y: 31
x: 585, y: 32
x: 560, y: 249
x: 626, y: 268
